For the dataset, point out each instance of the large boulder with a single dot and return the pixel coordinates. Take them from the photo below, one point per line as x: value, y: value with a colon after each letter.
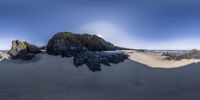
x: 23, y: 50
x: 86, y: 49
x: 69, y: 44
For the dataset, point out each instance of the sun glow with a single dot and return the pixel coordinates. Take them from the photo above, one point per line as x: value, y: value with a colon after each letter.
x: 110, y: 32
x: 118, y: 36
x: 101, y: 28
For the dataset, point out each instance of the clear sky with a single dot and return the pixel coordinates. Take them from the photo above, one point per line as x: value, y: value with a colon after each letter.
x: 150, y: 24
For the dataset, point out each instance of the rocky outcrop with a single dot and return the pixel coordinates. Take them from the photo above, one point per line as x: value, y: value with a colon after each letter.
x: 1, y: 57
x: 23, y: 50
x: 94, y: 59
x: 68, y: 44
x: 86, y: 49
x: 193, y: 54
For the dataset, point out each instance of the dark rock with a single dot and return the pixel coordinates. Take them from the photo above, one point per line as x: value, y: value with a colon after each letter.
x: 95, y: 43
x: 1, y: 57
x: 43, y: 48
x: 68, y: 44
x: 94, y: 59
x: 141, y: 50
x: 23, y: 50
x: 82, y: 48
x: 32, y: 48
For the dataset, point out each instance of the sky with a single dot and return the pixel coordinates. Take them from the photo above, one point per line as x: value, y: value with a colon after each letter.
x: 140, y: 24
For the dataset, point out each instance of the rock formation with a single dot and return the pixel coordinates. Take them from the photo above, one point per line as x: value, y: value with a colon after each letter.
x: 85, y: 49
x: 23, y: 50
x: 68, y: 44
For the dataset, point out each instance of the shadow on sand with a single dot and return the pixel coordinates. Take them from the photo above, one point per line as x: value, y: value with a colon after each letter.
x: 52, y: 78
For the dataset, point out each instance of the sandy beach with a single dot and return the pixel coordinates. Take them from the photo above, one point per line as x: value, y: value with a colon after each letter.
x: 49, y: 77
x: 158, y: 61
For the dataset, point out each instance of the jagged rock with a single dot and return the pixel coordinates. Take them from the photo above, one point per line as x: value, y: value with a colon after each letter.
x: 23, y: 50
x: 94, y: 59
x: 68, y: 44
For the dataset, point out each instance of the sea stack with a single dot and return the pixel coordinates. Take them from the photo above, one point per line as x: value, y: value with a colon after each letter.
x: 23, y: 50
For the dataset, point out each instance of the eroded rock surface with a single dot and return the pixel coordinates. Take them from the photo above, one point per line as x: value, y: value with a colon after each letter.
x: 23, y: 50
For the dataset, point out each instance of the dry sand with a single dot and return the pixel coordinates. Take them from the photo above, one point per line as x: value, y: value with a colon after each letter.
x: 158, y: 61
x: 55, y: 78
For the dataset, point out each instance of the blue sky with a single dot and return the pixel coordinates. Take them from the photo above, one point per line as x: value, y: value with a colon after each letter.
x: 150, y: 24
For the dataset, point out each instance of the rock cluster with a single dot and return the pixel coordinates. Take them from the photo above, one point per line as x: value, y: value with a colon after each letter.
x: 23, y: 50
x: 193, y: 54
x: 94, y: 59
x: 85, y: 49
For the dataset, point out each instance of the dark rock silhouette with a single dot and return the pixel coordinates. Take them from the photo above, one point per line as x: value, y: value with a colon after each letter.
x: 85, y: 49
x: 1, y: 57
x: 23, y: 50
x: 94, y: 59
x: 68, y: 44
